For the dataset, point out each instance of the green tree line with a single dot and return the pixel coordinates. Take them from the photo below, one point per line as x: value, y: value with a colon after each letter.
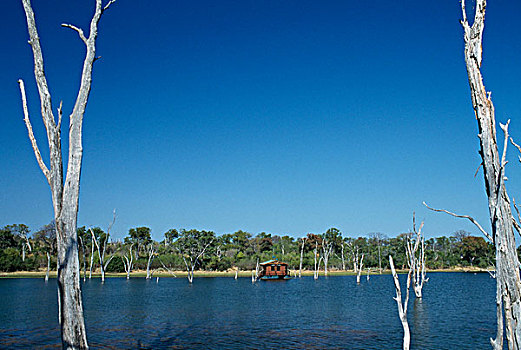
x: 22, y: 250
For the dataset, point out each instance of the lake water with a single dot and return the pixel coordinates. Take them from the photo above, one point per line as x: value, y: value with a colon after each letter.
x: 457, y: 312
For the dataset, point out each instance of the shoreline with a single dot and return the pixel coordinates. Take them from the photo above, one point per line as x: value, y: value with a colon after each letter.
x: 229, y: 273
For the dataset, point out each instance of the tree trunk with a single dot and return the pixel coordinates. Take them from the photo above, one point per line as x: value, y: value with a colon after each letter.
x: 150, y: 259
x: 360, y: 267
x: 48, y: 267
x: 507, y: 263
x: 65, y: 194
x: 301, y: 257
x: 343, y: 258
x: 402, y: 308
x: 91, y: 258
x: 379, y: 259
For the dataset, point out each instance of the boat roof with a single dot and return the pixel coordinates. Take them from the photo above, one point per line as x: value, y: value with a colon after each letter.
x: 272, y: 261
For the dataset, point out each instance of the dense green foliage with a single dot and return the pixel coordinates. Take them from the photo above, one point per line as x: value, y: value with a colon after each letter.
x: 20, y: 251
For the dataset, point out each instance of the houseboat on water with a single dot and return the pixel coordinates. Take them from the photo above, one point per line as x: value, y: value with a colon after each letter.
x: 274, y: 270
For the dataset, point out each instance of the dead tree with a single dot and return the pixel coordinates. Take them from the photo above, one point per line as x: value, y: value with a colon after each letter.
x: 92, y: 245
x: 402, y: 308
x: 508, y: 298
x: 327, y: 249
x: 151, y: 252
x: 301, y: 256
x: 343, y: 257
x: 82, y: 245
x: 355, y: 251
x: 65, y: 194
x: 48, y: 266
x: 415, y: 251
x: 127, y: 261
x: 317, y: 262
x: 104, y: 263
x: 360, y: 267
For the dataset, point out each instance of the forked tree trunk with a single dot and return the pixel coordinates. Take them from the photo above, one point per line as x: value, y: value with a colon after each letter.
x: 316, y: 271
x: 402, y: 308
x: 127, y: 262
x: 65, y: 194
x: 327, y: 249
x: 507, y: 263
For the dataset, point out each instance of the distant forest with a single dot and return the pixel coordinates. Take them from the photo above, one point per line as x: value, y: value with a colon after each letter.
x: 22, y: 251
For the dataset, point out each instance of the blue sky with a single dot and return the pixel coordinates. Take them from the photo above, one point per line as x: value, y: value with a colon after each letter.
x: 286, y: 117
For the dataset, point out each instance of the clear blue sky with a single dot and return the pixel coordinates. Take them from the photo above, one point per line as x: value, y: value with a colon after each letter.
x: 286, y: 117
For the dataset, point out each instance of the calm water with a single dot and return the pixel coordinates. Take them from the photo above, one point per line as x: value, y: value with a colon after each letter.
x: 457, y: 312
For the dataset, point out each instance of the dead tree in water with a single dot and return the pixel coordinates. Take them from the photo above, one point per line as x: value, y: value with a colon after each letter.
x: 317, y: 262
x: 301, y: 256
x: 508, y: 291
x: 48, y: 266
x: 103, y: 238
x: 151, y: 251
x: 360, y: 267
x: 402, y: 308
x: 415, y: 249
x: 65, y: 194
x: 128, y: 260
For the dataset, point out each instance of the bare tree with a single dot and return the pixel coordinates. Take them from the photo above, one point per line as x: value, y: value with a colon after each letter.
x: 128, y: 260
x: 328, y: 244
x: 360, y: 267
x: 317, y: 262
x: 92, y: 245
x: 65, y: 194
x: 508, y: 291
x: 101, y: 244
x: 355, y: 251
x: 48, y: 266
x: 415, y: 251
x: 151, y: 252
x: 301, y: 256
x: 402, y: 308
x: 342, y: 255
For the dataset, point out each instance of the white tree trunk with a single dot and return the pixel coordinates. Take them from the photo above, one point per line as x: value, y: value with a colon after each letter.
x: 301, y: 257
x: 360, y: 268
x: 402, y: 308
x: 343, y: 258
x: 65, y: 194
x: 48, y: 267
x: 507, y: 263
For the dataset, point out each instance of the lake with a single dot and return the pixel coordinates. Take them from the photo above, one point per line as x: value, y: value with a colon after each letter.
x: 457, y: 312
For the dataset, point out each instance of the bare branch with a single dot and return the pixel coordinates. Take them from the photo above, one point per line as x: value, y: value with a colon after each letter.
x: 463, y: 217
x: 108, y: 5
x: 477, y: 170
x: 79, y: 30
x: 504, y: 127
x: 113, y: 221
x: 517, y: 146
x: 60, y: 114
x: 516, y: 208
x: 464, y: 13
x: 36, y: 150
